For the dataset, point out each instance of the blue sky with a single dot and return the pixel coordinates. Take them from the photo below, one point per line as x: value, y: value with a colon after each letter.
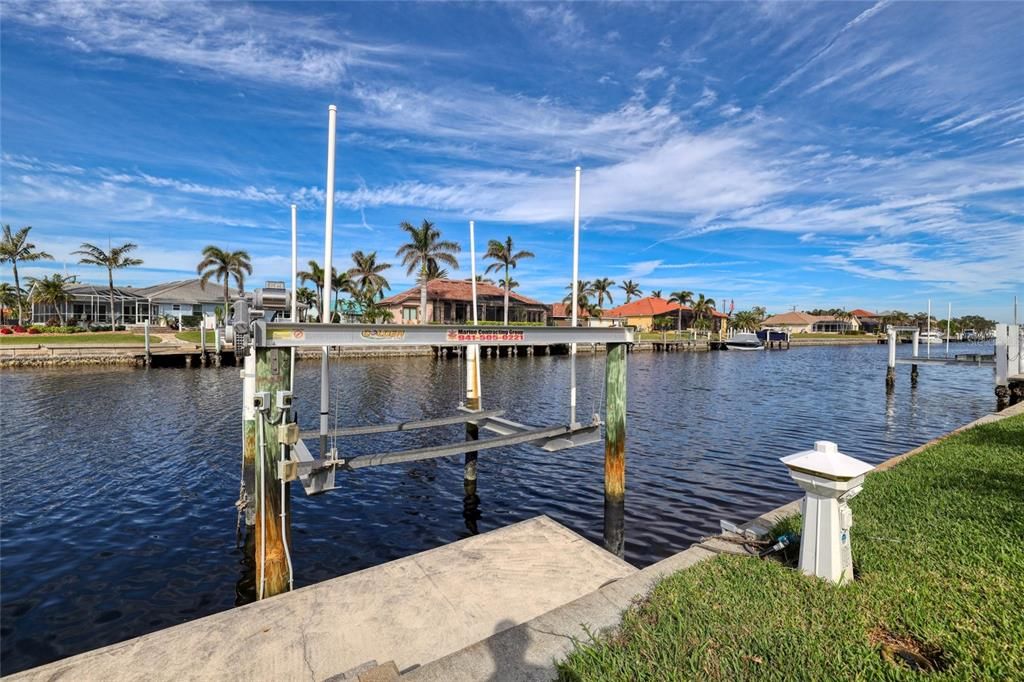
x: 791, y: 154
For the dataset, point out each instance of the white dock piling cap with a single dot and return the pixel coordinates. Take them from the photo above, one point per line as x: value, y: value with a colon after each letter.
x: 826, y: 461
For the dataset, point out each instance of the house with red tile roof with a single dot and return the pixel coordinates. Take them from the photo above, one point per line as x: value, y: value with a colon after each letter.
x: 645, y: 314
x: 451, y: 302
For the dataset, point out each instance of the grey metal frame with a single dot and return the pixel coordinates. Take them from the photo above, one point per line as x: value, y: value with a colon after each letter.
x: 314, y: 335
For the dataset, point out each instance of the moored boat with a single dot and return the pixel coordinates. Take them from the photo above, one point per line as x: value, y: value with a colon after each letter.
x: 744, y: 341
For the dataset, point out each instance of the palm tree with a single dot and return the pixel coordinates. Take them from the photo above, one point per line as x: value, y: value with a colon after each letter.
x: 703, y: 307
x: 366, y: 277
x: 53, y: 291
x: 760, y: 312
x: 9, y: 297
x: 505, y: 257
x: 603, y: 287
x: 747, y: 320
x: 15, y: 247
x: 483, y: 280
x: 584, y: 291
x: 682, y: 298
x: 114, y: 259
x: 656, y: 293
x: 510, y: 283
x: 315, y: 274
x: 631, y: 288
x: 222, y: 265
x: 425, y: 252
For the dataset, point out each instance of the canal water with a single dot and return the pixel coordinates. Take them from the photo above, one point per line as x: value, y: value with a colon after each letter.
x: 117, y: 514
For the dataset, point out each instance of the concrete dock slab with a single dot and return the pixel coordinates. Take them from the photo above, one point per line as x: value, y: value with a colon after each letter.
x: 410, y: 611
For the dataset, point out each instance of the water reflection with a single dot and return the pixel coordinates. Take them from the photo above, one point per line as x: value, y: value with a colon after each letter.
x: 135, y: 530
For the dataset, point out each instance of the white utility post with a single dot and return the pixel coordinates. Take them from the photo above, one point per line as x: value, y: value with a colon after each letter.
x: 325, y: 383
x: 949, y: 319
x: 473, y: 350
x: 295, y: 283
x: 575, y: 295
x: 928, y: 336
x: 831, y: 479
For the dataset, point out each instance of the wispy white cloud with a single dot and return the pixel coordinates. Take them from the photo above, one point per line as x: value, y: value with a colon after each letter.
x: 246, y: 41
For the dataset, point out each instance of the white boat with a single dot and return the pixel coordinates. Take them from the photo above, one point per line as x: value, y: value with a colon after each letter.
x: 932, y: 337
x: 744, y: 341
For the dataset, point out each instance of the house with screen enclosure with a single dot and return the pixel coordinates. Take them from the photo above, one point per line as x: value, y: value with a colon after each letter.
x: 90, y: 304
x: 451, y: 302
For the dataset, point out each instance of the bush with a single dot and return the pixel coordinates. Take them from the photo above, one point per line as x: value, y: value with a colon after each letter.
x: 56, y: 329
x: 33, y: 330
x: 53, y: 322
x: 5, y: 331
x: 18, y: 329
x: 191, y: 321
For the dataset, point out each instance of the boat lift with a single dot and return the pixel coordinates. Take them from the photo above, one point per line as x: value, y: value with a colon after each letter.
x: 276, y: 452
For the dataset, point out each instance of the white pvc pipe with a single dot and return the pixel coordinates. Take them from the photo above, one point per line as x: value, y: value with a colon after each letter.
x: 575, y: 295
x: 949, y: 315
x: 892, y: 348
x: 295, y: 286
x: 472, y: 267
x: 928, y: 336
x: 325, y: 389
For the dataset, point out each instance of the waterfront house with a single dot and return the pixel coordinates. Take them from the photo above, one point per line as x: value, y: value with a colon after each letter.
x: 868, y: 321
x: 652, y: 313
x: 451, y: 302
x: 89, y: 303
x: 799, y: 322
x: 560, y: 315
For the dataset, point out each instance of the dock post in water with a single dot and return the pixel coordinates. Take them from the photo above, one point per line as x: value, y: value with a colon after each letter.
x: 145, y: 332
x: 615, y: 448
x: 913, y: 367
x: 890, y: 372
x: 473, y: 403
x: 273, y: 523
x: 202, y: 342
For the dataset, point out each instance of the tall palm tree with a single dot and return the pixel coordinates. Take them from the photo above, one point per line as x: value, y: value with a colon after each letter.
x: 9, y: 297
x: 16, y: 247
x: 340, y: 282
x: 510, y: 283
x: 505, y: 257
x: 116, y: 258
x: 315, y: 274
x: 703, y: 307
x: 631, y: 288
x: 746, y: 320
x: 222, y: 265
x: 584, y: 291
x: 52, y: 290
x: 426, y: 251
x: 366, y: 277
x: 603, y: 287
x: 656, y: 293
x: 760, y: 312
x: 682, y: 298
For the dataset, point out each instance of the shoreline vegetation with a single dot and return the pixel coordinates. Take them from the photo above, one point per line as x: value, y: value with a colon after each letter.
x: 938, y: 545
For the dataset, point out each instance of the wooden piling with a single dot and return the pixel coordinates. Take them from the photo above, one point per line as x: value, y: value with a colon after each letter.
x: 273, y: 374
x: 615, y: 448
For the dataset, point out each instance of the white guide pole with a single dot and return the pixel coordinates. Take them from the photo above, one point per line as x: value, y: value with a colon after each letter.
x: 928, y: 336
x: 473, y: 350
x: 949, y: 319
x: 325, y: 388
x: 472, y: 267
x: 575, y: 295
x: 295, y: 285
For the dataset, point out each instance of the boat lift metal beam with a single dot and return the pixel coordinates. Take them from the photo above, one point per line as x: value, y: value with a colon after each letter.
x: 312, y: 335
x: 406, y: 425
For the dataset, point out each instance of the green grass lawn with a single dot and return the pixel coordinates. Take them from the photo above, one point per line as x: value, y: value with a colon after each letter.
x: 193, y: 337
x: 938, y: 546
x: 95, y: 338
